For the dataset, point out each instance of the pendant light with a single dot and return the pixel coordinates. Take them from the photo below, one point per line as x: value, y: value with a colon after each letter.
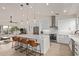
x: 22, y: 14
x: 34, y: 16
x: 27, y: 4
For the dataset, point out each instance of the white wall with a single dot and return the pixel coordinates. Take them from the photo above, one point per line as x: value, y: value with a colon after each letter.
x: 66, y: 24
x: 43, y: 23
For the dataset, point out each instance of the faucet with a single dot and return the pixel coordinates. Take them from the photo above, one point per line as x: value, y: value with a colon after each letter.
x: 76, y: 31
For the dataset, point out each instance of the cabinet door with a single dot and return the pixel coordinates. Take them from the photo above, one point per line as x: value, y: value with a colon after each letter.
x: 76, y: 49
x: 70, y: 44
x: 63, y: 39
x: 60, y: 38
x: 66, y: 39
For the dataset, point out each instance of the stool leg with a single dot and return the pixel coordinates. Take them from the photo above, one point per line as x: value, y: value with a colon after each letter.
x: 27, y: 50
x: 36, y: 51
x: 40, y: 49
x: 18, y: 46
x: 24, y: 49
x: 32, y: 50
x: 12, y: 44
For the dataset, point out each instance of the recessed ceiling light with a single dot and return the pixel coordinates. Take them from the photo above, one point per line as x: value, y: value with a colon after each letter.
x: 27, y: 3
x: 34, y: 21
x: 23, y: 15
x: 52, y: 12
x: 21, y: 5
x: 27, y: 22
x: 38, y: 12
x: 21, y: 20
x: 47, y: 4
x: 57, y: 13
x: 30, y: 6
x: 21, y: 8
x: 65, y: 11
x: 3, y: 8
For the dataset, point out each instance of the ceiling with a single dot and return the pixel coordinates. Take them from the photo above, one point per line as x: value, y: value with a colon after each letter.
x: 36, y: 10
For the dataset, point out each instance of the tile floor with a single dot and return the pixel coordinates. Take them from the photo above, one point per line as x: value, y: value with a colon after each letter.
x: 55, y: 50
x: 59, y: 50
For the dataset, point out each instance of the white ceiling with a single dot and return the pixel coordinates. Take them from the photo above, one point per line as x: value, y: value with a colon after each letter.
x: 38, y: 10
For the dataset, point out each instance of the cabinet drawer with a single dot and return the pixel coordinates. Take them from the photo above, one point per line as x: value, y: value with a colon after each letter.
x: 76, y: 52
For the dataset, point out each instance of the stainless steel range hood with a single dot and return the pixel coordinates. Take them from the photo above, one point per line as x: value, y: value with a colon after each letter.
x: 53, y: 22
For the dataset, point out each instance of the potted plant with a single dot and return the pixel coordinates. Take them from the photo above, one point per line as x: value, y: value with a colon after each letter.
x: 14, y: 28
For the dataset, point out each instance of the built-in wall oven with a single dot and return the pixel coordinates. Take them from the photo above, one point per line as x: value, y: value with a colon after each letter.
x: 53, y: 38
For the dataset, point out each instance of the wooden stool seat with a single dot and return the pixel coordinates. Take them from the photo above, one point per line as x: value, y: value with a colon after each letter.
x: 14, y: 38
x: 19, y: 39
x: 24, y: 40
x: 34, y: 44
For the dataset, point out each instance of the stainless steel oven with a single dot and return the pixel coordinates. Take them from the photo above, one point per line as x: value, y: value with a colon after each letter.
x: 53, y: 38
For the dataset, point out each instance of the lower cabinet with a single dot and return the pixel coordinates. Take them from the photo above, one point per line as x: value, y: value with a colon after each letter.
x: 70, y: 44
x: 74, y: 46
x: 76, y: 53
x: 63, y: 39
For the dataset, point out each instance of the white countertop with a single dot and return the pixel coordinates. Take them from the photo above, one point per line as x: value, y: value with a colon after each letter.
x: 38, y: 37
x: 74, y: 37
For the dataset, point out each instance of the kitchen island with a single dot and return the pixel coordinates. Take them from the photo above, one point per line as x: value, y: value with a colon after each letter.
x: 42, y: 39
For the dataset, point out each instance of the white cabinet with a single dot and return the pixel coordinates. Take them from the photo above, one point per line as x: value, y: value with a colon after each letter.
x: 74, y: 46
x: 45, y: 43
x: 63, y: 39
x: 70, y: 44
x: 76, y: 49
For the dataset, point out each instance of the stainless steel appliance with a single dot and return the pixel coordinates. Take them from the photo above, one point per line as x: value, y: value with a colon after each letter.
x: 53, y: 38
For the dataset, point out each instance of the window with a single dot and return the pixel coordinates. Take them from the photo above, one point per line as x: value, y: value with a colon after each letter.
x: 5, y: 29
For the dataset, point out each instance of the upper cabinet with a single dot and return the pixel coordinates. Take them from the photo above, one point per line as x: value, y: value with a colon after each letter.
x: 66, y: 24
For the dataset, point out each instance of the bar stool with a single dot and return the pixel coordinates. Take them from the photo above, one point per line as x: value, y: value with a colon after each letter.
x: 19, y: 40
x: 14, y: 40
x: 24, y: 41
x: 34, y: 44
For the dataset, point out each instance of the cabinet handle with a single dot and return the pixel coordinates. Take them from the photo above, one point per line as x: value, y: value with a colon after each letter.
x: 76, y: 49
x: 76, y: 53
